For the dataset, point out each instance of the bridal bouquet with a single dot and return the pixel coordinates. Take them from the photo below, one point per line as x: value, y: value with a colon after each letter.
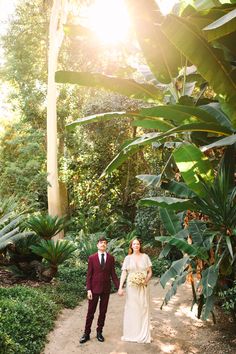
x: 137, y: 279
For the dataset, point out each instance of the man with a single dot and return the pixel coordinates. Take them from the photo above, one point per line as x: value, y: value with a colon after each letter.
x: 101, y: 269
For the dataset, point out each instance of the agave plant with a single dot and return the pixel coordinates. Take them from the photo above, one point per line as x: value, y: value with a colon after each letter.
x: 10, y: 230
x: 46, y: 226
x: 55, y: 253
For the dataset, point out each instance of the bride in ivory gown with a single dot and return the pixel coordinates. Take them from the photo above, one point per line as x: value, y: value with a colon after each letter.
x: 137, y: 269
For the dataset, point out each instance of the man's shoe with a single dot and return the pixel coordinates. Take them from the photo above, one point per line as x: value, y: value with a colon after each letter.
x: 100, y: 337
x: 85, y: 337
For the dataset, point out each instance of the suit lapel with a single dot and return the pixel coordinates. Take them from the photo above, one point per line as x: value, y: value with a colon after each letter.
x: 96, y: 258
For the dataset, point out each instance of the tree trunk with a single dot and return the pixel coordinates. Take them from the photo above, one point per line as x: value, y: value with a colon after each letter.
x: 56, y: 34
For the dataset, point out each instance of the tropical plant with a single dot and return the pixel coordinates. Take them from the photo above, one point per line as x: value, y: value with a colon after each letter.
x: 228, y: 298
x: 46, y: 226
x: 211, y: 238
x: 55, y: 253
x: 190, y: 113
x: 10, y: 230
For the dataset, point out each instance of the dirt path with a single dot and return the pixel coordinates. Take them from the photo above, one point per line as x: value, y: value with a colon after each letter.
x: 175, y: 329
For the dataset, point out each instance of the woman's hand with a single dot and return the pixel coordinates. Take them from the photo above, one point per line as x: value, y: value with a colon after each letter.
x: 120, y: 292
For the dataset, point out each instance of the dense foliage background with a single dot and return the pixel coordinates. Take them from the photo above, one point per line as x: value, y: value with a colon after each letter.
x: 144, y: 150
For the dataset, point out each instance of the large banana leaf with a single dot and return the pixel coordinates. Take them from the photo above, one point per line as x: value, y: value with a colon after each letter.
x: 125, y: 87
x: 214, y: 110
x: 103, y: 117
x: 180, y: 189
x: 177, y: 268
x: 180, y: 279
x: 184, y: 246
x: 222, y: 26
x: 170, y: 221
x: 229, y: 140
x: 193, y: 164
x: 207, y: 59
x: 196, y: 229
x: 208, y: 307
x: 146, y: 139
x: 147, y: 122
x: 150, y: 180
x: 161, y: 55
x: 180, y: 113
x: 209, y: 280
x: 149, y: 138
x: 176, y: 204
x: 157, y: 124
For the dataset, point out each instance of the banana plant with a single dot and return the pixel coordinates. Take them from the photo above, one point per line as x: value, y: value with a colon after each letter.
x: 165, y: 52
x: 214, y: 198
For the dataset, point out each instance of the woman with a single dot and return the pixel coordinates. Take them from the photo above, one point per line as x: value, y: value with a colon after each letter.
x: 137, y: 265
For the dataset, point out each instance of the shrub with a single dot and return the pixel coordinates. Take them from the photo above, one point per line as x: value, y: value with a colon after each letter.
x: 70, y: 286
x: 26, y: 316
x: 159, y: 266
x: 229, y: 300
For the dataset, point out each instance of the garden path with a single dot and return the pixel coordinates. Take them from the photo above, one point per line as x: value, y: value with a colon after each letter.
x: 175, y: 329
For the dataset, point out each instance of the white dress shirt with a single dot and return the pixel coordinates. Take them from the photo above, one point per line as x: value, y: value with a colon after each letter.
x: 100, y: 256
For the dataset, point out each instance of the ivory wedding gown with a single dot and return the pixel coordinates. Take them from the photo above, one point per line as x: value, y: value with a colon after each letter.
x: 136, y: 325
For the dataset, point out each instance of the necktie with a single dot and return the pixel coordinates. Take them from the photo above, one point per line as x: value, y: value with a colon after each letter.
x: 102, y: 260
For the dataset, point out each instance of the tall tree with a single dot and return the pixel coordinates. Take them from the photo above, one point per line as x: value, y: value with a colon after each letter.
x: 56, y: 34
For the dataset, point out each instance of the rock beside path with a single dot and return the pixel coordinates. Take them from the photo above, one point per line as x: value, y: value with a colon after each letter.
x: 175, y: 329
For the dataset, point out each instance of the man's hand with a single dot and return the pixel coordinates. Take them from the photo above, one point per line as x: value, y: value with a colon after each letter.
x: 89, y: 294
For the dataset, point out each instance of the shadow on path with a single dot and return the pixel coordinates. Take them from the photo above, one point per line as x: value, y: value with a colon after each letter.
x: 175, y: 329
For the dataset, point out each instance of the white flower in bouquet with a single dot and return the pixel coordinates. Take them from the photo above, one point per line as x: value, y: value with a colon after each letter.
x: 137, y: 279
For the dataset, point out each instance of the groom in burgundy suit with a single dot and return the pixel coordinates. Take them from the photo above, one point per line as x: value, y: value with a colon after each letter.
x: 101, y: 269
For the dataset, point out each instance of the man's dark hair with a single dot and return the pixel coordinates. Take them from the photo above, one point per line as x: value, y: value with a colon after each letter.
x: 102, y: 238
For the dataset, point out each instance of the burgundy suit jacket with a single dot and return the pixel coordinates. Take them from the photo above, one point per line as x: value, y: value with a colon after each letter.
x: 98, y: 279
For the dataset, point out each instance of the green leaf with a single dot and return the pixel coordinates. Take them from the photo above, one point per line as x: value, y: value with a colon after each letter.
x: 229, y: 245
x: 222, y: 26
x: 209, y: 280
x: 170, y: 221
x: 147, y: 139
x: 125, y: 87
x: 176, y: 269
x: 55, y: 252
x: 179, y: 188
x: 103, y: 117
x: 184, y: 246
x: 195, y: 48
x: 196, y: 229
x: 119, y: 159
x: 167, y: 202
x: 192, y: 164
x: 77, y: 30
x: 157, y: 124
x: 161, y: 55
x: 179, y: 113
x: 214, y: 110
x: 229, y: 140
x: 208, y: 307
x: 165, y: 251
x: 150, y: 180
x: 172, y: 291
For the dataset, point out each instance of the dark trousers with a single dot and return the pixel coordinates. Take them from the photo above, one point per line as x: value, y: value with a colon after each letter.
x: 92, y: 305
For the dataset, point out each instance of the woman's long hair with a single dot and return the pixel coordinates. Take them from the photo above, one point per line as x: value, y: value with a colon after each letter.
x: 130, y: 250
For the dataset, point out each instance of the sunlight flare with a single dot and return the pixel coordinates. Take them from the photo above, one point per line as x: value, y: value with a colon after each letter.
x: 166, y: 5
x: 109, y: 20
